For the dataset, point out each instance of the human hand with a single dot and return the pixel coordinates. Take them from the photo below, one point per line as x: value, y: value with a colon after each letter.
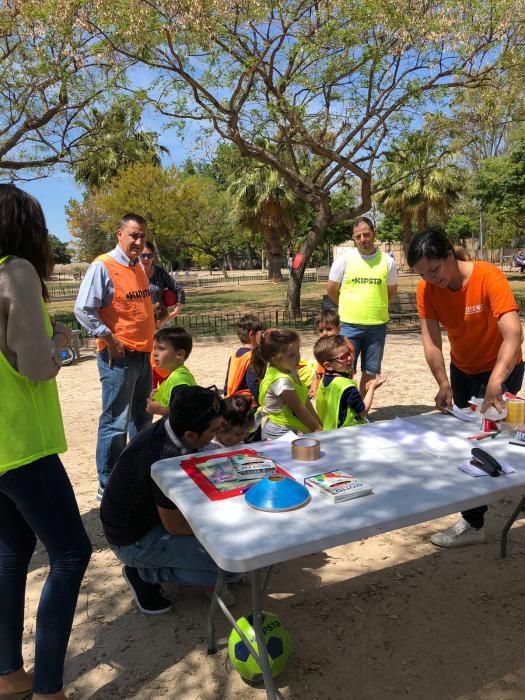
x: 62, y: 335
x: 175, y: 311
x: 376, y: 381
x: 443, y: 398
x: 116, y: 348
x: 493, y: 397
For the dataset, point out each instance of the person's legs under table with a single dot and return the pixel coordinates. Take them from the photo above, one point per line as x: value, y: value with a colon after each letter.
x: 470, y: 528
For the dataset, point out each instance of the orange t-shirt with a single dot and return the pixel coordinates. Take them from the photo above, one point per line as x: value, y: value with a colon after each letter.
x: 470, y: 316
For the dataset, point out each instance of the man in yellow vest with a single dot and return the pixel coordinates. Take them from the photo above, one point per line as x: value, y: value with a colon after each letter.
x: 362, y: 283
x: 114, y: 305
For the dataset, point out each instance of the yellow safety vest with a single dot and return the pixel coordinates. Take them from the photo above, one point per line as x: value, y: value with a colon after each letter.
x: 178, y: 377
x: 285, y: 416
x: 328, y: 402
x: 363, y: 297
x: 30, y: 420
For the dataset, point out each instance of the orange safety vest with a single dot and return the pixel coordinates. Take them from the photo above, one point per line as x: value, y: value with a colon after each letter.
x: 130, y: 314
x: 236, y: 374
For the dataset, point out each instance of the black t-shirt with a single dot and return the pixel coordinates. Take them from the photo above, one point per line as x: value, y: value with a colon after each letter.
x: 129, y: 506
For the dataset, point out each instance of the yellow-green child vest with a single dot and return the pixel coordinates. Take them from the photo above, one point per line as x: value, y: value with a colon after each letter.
x: 179, y: 376
x: 285, y: 417
x: 30, y: 420
x: 328, y: 401
x: 363, y: 297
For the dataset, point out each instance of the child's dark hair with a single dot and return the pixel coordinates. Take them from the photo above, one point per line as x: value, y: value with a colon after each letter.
x: 328, y: 317
x: 326, y: 348
x: 238, y: 411
x: 249, y: 324
x: 271, y: 344
x: 178, y: 337
x: 192, y: 408
x: 160, y: 312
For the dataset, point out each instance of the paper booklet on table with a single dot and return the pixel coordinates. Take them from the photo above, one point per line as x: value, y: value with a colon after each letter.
x: 338, y: 485
x: 229, y: 473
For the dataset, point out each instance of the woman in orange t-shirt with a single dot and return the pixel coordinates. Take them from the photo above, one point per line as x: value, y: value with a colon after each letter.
x: 475, y: 304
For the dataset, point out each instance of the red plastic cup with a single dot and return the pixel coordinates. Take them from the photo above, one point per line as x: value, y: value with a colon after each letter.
x: 488, y: 425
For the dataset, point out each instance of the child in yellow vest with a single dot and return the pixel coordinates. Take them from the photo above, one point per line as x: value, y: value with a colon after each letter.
x: 339, y: 403
x: 158, y: 375
x: 328, y: 323
x: 172, y: 347
x: 283, y: 397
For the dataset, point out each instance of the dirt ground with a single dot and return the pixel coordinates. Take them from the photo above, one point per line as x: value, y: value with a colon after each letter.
x: 379, y: 619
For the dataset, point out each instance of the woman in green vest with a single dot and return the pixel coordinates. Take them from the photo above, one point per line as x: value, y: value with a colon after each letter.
x: 36, y: 498
x: 283, y: 397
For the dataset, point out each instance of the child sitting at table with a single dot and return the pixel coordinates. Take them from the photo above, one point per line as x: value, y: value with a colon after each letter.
x: 158, y: 375
x: 327, y: 323
x: 240, y: 377
x: 148, y: 534
x: 283, y: 397
x: 238, y: 423
x: 339, y: 403
x: 172, y: 347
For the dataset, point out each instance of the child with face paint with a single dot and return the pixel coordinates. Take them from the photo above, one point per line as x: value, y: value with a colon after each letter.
x: 339, y: 403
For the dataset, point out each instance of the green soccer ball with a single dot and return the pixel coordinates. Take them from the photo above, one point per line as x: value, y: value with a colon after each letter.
x: 278, y: 644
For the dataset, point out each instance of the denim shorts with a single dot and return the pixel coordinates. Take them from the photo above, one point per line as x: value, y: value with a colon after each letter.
x: 369, y: 342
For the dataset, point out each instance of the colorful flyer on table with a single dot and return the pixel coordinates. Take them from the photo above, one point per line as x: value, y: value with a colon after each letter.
x: 229, y: 473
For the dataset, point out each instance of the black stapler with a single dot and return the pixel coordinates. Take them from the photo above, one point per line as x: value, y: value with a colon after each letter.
x: 482, y: 460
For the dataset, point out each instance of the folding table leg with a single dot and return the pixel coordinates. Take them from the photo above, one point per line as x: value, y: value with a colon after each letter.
x: 210, y: 625
x: 508, y: 525
x: 263, y: 659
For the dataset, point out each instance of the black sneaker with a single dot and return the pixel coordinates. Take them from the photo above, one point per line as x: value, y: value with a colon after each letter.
x: 148, y: 596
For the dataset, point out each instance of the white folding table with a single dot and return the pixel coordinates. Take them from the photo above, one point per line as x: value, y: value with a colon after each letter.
x: 411, y: 465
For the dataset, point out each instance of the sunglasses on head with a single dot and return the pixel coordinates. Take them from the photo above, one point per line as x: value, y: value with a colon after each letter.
x: 346, y: 356
x: 146, y: 256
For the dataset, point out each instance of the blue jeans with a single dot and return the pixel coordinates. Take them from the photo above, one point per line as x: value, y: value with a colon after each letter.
x: 369, y: 342
x: 37, y: 501
x: 160, y: 557
x: 125, y: 389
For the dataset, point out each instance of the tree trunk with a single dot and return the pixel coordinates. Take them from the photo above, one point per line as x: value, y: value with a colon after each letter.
x: 273, y: 240
x: 405, y: 219
x: 422, y: 218
x: 249, y: 254
x: 293, y: 295
x: 224, y: 268
x: 229, y: 259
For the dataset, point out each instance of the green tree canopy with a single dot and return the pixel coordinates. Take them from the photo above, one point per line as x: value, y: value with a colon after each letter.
x: 114, y: 141
x: 334, y: 80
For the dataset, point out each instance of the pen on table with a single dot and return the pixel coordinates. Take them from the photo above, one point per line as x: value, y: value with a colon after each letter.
x: 518, y: 444
x: 484, y: 436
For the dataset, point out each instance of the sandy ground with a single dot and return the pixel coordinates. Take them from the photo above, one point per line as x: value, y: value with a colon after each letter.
x: 381, y: 618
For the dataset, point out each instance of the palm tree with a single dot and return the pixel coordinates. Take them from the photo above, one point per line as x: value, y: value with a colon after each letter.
x: 417, y: 179
x: 116, y: 141
x: 264, y: 203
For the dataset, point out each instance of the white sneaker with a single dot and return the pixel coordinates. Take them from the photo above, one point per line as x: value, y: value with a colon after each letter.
x: 460, y: 534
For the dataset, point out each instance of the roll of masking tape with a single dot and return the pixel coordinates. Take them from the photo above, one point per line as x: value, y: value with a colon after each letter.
x: 306, y: 449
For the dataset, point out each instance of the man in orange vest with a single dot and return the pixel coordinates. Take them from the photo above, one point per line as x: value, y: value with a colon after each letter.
x: 114, y: 305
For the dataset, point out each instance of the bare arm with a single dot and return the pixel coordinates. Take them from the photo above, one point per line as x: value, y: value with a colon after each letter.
x: 309, y: 418
x: 332, y: 291
x: 156, y: 408
x: 433, y: 349
x: 510, y: 328
x: 371, y: 386
x: 174, y: 522
x: 392, y: 291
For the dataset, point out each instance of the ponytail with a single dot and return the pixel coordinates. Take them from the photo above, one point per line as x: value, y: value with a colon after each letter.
x: 271, y: 343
